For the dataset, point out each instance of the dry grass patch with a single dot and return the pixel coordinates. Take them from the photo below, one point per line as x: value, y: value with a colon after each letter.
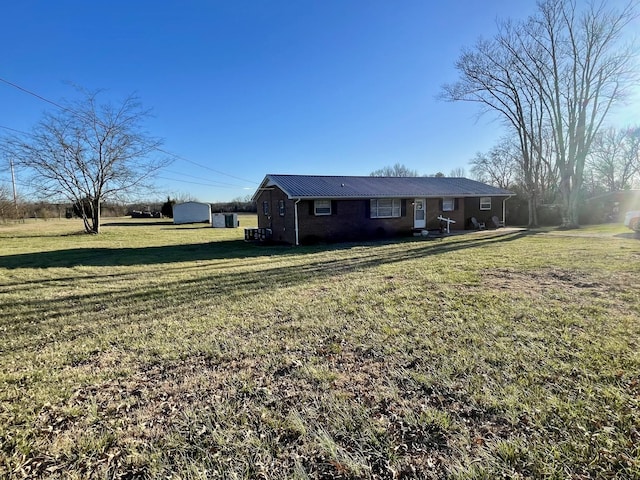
x: 189, y: 354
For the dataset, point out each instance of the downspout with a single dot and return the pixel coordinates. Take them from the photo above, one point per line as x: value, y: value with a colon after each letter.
x: 295, y: 216
x: 504, y: 210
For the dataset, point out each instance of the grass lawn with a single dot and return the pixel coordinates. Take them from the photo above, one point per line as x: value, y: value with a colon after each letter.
x: 161, y: 351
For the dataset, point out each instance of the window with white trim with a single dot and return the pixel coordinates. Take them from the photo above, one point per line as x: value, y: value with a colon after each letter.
x: 385, y: 207
x: 265, y: 208
x: 485, y: 203
x: 322, y: 207
x: 448, y: 204
x: 281, y: 207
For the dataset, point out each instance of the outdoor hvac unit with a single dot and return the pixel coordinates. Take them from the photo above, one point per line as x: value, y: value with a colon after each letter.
x: 257, y: 234
x: 224, y: 220
x: 231, y: 220
x: 218, y: 220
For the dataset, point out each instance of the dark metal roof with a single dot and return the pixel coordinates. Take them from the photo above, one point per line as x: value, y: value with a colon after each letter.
x: 320, y: 186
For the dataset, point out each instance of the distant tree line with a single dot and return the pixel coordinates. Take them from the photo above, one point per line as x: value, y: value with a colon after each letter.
x: 21, y: 210
x: 401, y: 170
x: 236, y: 205
x: 10, y: 211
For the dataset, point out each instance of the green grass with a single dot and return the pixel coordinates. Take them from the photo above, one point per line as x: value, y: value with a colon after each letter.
x: 161, y: 351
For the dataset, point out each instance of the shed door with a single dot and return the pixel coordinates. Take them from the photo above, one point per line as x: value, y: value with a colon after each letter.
x: 419, y: 214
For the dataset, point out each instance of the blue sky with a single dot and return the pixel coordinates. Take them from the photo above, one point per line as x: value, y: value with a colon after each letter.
x: 240, y: 89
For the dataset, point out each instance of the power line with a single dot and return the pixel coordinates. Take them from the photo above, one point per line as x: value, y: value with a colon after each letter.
x: 179, y: 157
x: 40, y: 97
x: 14, y: 130
x: 201, y: 183
x: 13, y: 181
x: 36, y: 95
x: 200, y: 178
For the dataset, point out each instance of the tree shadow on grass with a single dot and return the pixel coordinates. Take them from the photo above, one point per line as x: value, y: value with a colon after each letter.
x: 149, y: 223
x: 258, y: 276
x: 630, y: 235
x: 230, y: 249
x: 232, y: 284
x: 132, y: 256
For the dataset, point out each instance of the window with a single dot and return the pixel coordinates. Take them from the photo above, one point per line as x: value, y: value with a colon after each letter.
x: 281, y: 208
x: 265, y: 208
x: 322, y: 207
x: 485, y: 203
x: 385, y: 208
x: 448, y: 204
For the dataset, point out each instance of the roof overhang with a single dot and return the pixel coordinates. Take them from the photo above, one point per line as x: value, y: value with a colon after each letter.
x: 366, y: 197
x: 264, y: 185
x: 268, y: 183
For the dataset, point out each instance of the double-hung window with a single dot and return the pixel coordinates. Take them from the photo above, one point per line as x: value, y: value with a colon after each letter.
x: 485, y: 203
x: 322, y: 207
x: 281, y: 207
x: 448, y: 204
x: 265, y: 208
x: 385, y: 207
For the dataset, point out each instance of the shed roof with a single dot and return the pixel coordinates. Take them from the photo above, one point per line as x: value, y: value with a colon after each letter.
x: 322, y: 186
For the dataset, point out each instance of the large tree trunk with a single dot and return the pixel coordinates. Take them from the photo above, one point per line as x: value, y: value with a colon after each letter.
x: 569, y: 195
x: 85, y: 220
x: 530, y: 208
x: 532, y: 189
x: 532, y: 205
x: 95, y: 210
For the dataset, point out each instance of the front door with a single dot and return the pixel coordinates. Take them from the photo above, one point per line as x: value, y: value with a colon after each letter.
x: 419, y: 214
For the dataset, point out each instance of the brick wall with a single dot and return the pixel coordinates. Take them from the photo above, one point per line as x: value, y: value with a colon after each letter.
x: 282, y: 226
x: 472, y: 209
x: 434, y: 209
x: 350, y: 219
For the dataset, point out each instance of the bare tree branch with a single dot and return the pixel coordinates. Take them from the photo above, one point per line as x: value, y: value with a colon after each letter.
x: 555, y: 76
x: 90, y: 152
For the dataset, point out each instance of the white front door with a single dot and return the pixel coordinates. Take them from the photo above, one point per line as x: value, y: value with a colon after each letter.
x: 419, y: 213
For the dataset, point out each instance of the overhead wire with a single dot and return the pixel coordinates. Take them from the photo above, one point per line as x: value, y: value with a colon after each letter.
x: 179, y: 157
x: 36, y: 95
x: 199, y: 183
x: 199, y: 178
x: 14, y: 130
x: 174, y: 155
x: 215, y: 184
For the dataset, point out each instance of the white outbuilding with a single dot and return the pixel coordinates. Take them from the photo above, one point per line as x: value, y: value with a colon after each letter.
x: 191, y: 212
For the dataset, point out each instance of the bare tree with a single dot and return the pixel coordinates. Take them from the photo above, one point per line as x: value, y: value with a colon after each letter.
x: 556, y: 76
x: 633, y: 154
x: 182, y: 197
x: 458, y: 172
x: 397, y: 170
x: 7, y: 208
x: 491, y: 76
x: 614, y: 160
x: 89, y: 152
x: 582, y: 73
x: 499, y: 166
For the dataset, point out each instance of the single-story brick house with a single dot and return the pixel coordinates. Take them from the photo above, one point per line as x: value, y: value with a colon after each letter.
x: 309, y: 208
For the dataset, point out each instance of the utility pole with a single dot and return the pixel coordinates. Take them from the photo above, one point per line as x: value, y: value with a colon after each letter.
x: 15, y: 193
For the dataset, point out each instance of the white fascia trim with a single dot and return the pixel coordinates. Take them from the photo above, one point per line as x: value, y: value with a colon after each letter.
x: 367, y: 197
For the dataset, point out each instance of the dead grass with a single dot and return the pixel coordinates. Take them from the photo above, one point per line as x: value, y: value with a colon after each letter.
x: 164, y: 352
